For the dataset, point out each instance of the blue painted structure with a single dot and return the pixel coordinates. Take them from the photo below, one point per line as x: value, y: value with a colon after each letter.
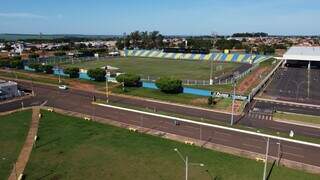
x: 84, y: 75
x: 60, y: 72
x: 27, y: 68
x: 186, y: 90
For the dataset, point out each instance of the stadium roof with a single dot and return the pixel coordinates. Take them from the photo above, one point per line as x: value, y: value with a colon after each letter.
x: 303, y: 53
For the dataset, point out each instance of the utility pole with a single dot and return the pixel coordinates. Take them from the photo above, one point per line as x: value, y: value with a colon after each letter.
x: 266, y: 161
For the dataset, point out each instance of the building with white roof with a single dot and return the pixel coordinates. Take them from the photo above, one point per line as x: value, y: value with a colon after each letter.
x: 303, y: 53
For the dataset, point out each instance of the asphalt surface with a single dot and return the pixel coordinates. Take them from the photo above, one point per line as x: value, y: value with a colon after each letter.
x: 187, y: 111
x: 287, y: 107
x: 296, y: 85
x: 79, y: 101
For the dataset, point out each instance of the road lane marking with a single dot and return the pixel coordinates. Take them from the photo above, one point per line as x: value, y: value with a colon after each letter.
x: 212, y: 125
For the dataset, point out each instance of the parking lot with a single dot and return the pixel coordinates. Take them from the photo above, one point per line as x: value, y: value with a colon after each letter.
x: 295, y: 84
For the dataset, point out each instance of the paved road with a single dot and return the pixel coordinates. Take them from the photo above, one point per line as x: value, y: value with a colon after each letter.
x: 287, y: 107
x: 79, y: 101
x: 48, y: 92
x: 199, y: 113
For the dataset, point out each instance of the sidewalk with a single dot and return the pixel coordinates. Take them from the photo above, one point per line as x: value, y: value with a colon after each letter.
x: 297, y: 123
x: 24, y: 155
x: 287, y: 102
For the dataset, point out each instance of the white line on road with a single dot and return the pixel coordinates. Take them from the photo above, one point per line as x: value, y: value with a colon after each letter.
x: 212, y: 125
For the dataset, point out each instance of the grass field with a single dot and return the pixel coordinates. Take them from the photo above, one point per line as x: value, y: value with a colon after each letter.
x: 297, y: 117
x: 189, y: 99
x: 70, y: 148
x: 14, y: 129
x: 155, y: 67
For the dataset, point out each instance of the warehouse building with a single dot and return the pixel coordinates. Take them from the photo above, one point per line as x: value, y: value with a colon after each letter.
x: 8, y: 89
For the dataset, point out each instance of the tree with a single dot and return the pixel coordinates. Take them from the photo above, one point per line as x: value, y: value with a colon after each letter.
x: 73, y: 72
x: 60, y: 53
x: 33, y: 56
x: 47, y: 69
x: 198, y: 43
x: 169, y: 85
x: 37, y: 67
x: 16, y: 64
x: 97, y: 74
x: 4, y: 63
x: 129, y: 80
x: 223, y: 44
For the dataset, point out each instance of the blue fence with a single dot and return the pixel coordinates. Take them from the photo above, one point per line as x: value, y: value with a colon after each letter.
x: 84, y: 75
x: 60, y: 72
x: 186, y: 90
x: 27, y: 68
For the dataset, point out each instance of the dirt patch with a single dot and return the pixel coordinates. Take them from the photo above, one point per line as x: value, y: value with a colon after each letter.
x: 251, y: 80
x: 237, y: 107
x: 199, y: 101
x: 82, y: 86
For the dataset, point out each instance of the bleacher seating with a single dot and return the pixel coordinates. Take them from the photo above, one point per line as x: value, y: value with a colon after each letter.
x: 241, y: 58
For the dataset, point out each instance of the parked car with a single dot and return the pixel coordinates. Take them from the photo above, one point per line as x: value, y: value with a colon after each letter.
x: 63, y: 87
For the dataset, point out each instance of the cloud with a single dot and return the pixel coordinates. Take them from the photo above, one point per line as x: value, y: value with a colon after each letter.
x: 22, y: 15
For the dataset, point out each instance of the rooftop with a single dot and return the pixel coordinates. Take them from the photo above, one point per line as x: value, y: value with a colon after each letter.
x: 304, y: 53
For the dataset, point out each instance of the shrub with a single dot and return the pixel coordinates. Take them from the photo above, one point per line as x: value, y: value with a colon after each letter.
x: 33, y: 56
x: 169, y: 85
x: 97, y: 74
x: 129, y: 80
x: 4, y: 63
x: 210, y: 100
x: 47, y: 69
x: 16, y: 64
x: 73, y: 72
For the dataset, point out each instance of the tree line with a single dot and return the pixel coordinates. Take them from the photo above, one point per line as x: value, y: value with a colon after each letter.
x: 141, y: 40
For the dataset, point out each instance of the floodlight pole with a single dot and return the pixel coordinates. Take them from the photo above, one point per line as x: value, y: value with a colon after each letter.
x: 211, y: 73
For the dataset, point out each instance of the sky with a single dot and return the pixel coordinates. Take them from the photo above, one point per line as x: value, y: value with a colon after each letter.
x: 170, y: 17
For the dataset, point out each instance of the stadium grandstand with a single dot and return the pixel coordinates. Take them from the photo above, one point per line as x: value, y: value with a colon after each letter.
x: 240, y: 58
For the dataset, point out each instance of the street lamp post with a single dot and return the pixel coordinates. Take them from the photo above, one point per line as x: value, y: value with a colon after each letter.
x: 187, y: 164
x: 233, y: 99
x: 279, y: 149
x: 266, y: 161
x: 298, y: 88
x: 107, y: 87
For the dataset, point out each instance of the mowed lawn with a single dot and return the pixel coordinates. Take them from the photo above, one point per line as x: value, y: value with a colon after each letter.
x: 156, y: 67
x: 71, y: 148
x: 14, y: 129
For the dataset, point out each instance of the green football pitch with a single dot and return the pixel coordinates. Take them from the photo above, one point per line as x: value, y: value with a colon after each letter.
x: 156, y: 67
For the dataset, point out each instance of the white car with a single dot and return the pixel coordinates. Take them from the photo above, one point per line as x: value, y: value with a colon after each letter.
x: 63, y: 87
